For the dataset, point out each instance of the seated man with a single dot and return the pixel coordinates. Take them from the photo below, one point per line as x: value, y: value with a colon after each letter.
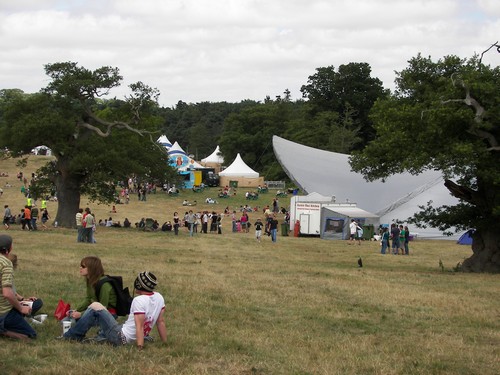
x: 146, y: 311
x: 12, y: 312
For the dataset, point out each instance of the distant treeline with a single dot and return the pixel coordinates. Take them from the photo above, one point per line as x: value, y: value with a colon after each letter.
x: 332, y: 115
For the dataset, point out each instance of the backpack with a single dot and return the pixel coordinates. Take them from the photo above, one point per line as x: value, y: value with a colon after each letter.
x: 123, y: 297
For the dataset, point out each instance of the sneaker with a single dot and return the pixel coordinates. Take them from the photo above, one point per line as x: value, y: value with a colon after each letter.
x: 149, y: 338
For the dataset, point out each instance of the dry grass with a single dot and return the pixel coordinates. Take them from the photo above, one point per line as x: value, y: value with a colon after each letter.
x: 300, y: 306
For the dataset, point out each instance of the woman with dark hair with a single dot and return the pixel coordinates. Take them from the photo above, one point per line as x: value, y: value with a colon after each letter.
x: 92, y: 270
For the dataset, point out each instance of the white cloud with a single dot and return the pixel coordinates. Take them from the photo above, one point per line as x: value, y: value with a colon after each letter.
x: 195, y: 50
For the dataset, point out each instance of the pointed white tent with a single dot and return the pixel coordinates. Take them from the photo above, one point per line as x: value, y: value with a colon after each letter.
x: 163, y: 140
x: 238, y: 174
x: 180, y: 160
x: 238, y: 168
x: 177, y: 149
x: 215, y: 157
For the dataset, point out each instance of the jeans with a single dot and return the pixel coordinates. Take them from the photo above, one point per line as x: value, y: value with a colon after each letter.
x: 88, y: 235
x: 14, y: 321
x: 191, y: 228
x: 384, y: 247
x: 109, y: 327
x: 395, y: 245
x: 79, y: 237
x: 407, y: 249
x: 273, y: 234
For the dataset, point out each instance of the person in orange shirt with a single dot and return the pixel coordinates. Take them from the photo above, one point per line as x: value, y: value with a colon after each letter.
x: 27, y: 218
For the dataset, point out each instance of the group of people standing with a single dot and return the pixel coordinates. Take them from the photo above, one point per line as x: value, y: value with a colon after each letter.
x: 85, y: 225
x: 400, y: 237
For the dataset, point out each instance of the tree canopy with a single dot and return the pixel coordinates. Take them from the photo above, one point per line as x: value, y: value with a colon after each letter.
x: 96, y: 143
x: 445, y: 115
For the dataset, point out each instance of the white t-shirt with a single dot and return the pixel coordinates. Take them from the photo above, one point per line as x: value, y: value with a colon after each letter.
x: 353, y: 226
x: 151, y: 305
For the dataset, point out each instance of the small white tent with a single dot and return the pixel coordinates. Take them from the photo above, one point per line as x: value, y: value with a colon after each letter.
x: 215, y: 157
x: 238, y: 168
x: 240, y: 174
x: 42, y: 150
x: 163, y: 140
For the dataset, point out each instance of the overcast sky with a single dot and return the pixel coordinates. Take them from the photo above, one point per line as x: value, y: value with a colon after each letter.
x: 231, y: 50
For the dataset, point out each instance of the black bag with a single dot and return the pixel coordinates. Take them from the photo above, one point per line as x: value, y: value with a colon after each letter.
x: 123, y: 297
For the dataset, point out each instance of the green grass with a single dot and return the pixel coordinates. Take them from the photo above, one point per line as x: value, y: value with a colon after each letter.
x: 300, y: 306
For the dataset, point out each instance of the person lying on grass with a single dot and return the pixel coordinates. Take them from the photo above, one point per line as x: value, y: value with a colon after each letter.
x: 146, y: 311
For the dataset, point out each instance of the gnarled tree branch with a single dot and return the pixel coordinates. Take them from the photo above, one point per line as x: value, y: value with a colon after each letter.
x: 470, y: 101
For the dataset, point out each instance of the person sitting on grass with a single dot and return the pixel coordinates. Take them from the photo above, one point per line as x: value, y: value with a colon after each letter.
x: 92, y: 271
x: 33, y: 302
x: 12, y: 322
x: 146, y: 311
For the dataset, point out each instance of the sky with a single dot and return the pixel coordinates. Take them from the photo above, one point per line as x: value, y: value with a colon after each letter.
x: 233, y: 50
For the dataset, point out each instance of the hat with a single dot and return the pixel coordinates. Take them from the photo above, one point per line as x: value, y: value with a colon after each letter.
x: 5, y: 242
x: 145, y: 281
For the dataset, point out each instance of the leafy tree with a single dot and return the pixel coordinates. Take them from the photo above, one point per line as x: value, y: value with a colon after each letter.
x: 250, y: 132
x: 95, y: 143
x: 350, y: 92
x: 445, y: 115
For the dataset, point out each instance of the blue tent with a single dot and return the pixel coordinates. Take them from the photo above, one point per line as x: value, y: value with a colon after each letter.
x: 466, y: 238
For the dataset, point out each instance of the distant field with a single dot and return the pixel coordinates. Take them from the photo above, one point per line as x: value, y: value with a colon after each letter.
x: 234, y: 306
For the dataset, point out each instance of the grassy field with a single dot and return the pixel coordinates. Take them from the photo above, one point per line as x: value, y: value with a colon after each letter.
x: 235, y: 306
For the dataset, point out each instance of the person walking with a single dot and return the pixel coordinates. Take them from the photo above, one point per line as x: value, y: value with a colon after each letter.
x: 258, y: 229
x: 7, y: 215
x: 34, y: 217
x: 45, y: 218
x: 27, y: 218
x: 190, y: 219
x: 273, y: 227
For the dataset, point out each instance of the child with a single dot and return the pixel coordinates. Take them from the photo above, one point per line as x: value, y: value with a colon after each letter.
x: 258, y: 229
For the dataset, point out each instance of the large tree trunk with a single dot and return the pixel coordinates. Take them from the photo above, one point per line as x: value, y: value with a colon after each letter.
x: 68, y: 196
x: 486, y: 252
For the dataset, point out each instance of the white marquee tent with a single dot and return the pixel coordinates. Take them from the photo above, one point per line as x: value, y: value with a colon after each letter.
x: 215, y: 157
x: 241, y: 175
x: 163, y: 140
x: 329, y: 174
x: 238, y: 168
x: 180, y: 159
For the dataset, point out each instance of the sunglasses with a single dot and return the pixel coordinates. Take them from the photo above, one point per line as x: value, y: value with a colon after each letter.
x: 83, y: 266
